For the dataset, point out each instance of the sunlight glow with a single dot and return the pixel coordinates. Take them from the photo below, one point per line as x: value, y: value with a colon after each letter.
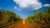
x: 24, y: 18
x: 23, y: 21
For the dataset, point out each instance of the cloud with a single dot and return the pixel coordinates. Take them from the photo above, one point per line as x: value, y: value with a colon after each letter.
x: 46, y: 5
x: 26, y: 3
x: 37, y: 6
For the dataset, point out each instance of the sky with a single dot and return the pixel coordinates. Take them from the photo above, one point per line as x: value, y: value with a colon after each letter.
x: 23, y: 7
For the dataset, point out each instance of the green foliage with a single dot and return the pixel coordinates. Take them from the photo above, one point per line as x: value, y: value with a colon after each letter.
x: 48, y: 9
x: 39, y: 16
x: 8, y: 17
x: 49, y: 17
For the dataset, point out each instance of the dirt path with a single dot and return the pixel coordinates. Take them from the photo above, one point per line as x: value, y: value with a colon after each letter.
x: 21, y: 25
x: 26, y: 25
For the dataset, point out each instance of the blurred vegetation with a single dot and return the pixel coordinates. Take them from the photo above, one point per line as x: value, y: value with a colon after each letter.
x: 49, y: 17
x: 42, y: 18
x: 8, y: 17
